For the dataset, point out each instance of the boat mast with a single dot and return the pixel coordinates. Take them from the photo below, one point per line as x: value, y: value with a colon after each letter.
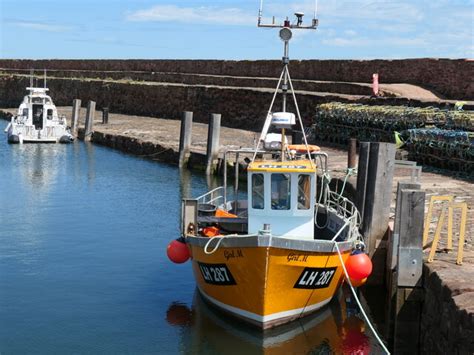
x: 285, y: 79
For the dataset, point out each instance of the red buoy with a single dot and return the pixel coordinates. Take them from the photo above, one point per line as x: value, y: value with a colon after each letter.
x: 359, y: 266
x: 178, y: 251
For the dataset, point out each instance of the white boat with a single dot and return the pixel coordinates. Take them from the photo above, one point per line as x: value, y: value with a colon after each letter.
x: 37, y: 120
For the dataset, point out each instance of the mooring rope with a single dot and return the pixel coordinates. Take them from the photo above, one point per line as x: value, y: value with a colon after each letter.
x: 220, y: 238
x: 358, y: 302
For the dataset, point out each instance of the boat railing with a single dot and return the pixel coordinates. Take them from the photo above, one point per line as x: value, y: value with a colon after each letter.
x: 214, y: 197
x: 346, y: 210
x: 323, y: 159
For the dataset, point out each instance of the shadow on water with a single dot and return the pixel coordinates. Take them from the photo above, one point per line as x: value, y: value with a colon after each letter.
x: 204, y: 329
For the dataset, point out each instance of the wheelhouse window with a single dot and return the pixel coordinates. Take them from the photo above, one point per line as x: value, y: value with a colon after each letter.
x: 304, y: 192
x: 258, y: 201
x: 281, y: 191
x: 50, y: 114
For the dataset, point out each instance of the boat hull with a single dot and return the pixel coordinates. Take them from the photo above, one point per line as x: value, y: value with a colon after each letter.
x: 268, y: 282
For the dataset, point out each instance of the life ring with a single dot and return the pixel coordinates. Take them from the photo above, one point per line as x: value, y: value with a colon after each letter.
x: 303, y: 148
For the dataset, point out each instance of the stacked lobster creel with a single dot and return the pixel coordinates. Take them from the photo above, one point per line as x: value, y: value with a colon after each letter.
x: 447, y: 149
x: 448, y: 144
x: 337, y: 122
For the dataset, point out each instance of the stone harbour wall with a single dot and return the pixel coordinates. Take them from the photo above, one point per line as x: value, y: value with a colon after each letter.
x: 447, y: 322
x: 240, y: 107
x: 451, y: 78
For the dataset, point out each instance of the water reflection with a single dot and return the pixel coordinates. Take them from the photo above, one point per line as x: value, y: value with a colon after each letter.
x: 204, y: 329
x: 38, y: 164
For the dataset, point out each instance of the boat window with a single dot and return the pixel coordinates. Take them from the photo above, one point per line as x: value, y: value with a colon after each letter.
x: 50, y: 114
x: 25, y: 112
x: 304, y: 192
x: 281, y: 189
x: 257, y: 192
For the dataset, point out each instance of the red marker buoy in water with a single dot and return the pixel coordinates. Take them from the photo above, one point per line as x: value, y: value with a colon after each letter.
x: 178, y: 251
x: 358, y: 265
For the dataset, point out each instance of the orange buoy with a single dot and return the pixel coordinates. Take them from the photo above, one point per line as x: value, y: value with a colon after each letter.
x: 358, y: 265
x: 211, y: 231
x: 178, y: 251
x: 302, y: 148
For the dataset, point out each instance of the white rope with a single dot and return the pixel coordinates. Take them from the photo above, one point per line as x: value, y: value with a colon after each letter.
x: 219, y: 238
x: 325, y: 179
x: 358, y: 302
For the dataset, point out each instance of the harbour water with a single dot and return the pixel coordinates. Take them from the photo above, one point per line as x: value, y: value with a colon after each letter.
x: 83, y: 266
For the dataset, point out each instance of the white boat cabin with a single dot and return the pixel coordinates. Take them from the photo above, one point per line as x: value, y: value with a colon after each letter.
x: 282, y: 194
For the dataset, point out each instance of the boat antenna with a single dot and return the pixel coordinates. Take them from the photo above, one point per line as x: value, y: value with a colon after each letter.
x: 286, y: 23
x: 285, y: 79
x: 45, y: 78
x: 32, y: 73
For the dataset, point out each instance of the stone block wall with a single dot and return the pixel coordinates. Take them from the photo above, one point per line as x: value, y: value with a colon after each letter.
x: 449, y: 77
x: 447, y: 322
x: 243, y: 108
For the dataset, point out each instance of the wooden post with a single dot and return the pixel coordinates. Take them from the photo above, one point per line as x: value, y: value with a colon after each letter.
x: 105, y: 115
x: 89, y: 120
x: 378, y: 194
x: 213, y: 134
x: 392, y: 254
x: 76, y: 111
x: 351, y: 154
x: 364, y: 152
x: 409, y: 295
x: 392, y: 259
x: 185, y: 138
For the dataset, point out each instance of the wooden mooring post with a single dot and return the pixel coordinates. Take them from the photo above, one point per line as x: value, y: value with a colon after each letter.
x: 105, y: 115
x: 405, y: 263
x: 373, y: 198
x: 90, y: 114
x: 352, y: 154
x: 375, y: 190
x: 185, y: 138
x: 76, y: 111
x: 213, y: 135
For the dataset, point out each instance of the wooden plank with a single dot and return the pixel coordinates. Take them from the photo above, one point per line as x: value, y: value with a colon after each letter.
x: 76, y: 111
x: 378, y: 193
x: 89, y: 120
x: 213, y: 135
x: 364, y: 149
x: 392, y: 252
x: 410, y: 251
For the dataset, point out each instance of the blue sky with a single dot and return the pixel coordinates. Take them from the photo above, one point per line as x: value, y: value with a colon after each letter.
x: 358, y: 29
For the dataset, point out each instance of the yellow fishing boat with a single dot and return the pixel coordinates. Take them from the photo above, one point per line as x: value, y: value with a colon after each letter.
x: 277, y: 254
